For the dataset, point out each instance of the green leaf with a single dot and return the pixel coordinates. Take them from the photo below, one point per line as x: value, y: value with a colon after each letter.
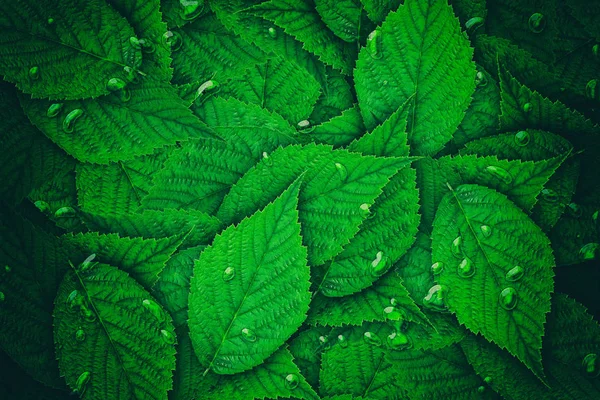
x: 143, y: 259
x: 113, y: 319
x: 117, y: 188
x: 342, y: 17
x: 32, y: 265
x: 340, y: 130
x: 268, y: 380
x: 481, y: 118
x: 146, y: 19
x: 253, y: 264
x: 584, y: 12
x: 156, y: 117
x: 210, y: 51
x: 480, y: 237
x: 266, y: 36
x: 299, y: 19
x: 520, y: 181
x: 331, y: 196
x: 360, y: 368
x: 419, y: 52
x: 28, y: 159
x: 266, y: 84
x: 377, y: 10
x: 89, y: 36
x: 440, y: 374
x: 370, y: 305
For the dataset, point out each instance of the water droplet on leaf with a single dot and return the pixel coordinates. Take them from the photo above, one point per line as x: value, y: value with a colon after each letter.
x: 596, y: 50
x: 480, y: 79
x: 82, y: 382
x: 154, y: 309
x: 486, y: 231
x: 2, y: 297
x: 167, y: 336
x: 588, y: 251
x: 378, y: 265
x: 457, y: 247
x: 591, y: 365
x: 87, y: 314
x: 466, y: 268
x: 372, y: 338
x: 373, y: 44
x: 34, y: 73
x: 398, y: 341
x: 435, y: 299
x: 228, y: 274
x: 473, y: 24
x: 147, y: 46
x: 42, y: 206
x: 364, y: 209
x: 522, y: 138
x: 550, y: 195
x: 291, y: 381
x: 508, y: 298
x: 591, y: 89
x: 391, y: 313
x: 191, y: 9
x: 481, y: 389
x: 303, y: 124
x: 342, y: 341
x: 527, y: 107
x: 65, y: 212
x: 80, y: 335
x: 207, y: 87
x: 272, y: 32
x: 248, y: 335
x: 135, y: 43
x: 515, y: 273
x: 50, y: 21
x: 342, y: 172
x: 487, y: 379
x: 7, y: 268
x: 500, y: 173
x: 69, y: 121
x: 537, y: 22
x: 87, y: 263
x: 574, y: 209
x: 437, y: 268
x: 172, y: 40
x: 54, y: 110
x: 115, y: 84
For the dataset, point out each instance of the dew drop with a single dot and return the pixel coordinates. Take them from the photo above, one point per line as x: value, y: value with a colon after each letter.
x: 378, y: 265
x: 7, y: 268
x: 595, y: 216
x: 74, y: 299
x: 304, y: 124
x: 70, y: 119
x: 154, y: 309
x: 596, y: 50
x: 132, y: 75
x: 228, y: 274
x: 527, y: 107
x: 135, y: 43
x: 80, y: 335
x: 34, y: 73
x: 54, y: 110
x: 372, y: 338
x: 508, y: 298
x: 515, y: 273
x: 50, y: 21
x: 65, y: 212
x: 487, y: 379
x: 342, y: 171
x: 167, y: 336
x: 457, y: 247
x: 124, y: 95
x: 248, y: 335
x: 435, y: 299
x: 291, y: 381
x: 373, y: 44
x: 42, y: 206
x: 473, y: 24
x: 342, y: 341
x: 480, y: 79
x: 522, y: 138
x: 172, y: 40
x: 550, y: 195
x: 191, y: 9
x: 486, y: 230
x: 574, y: 209
x: 364, y: 209
x: 393, y: 301
x: 147, y: 46
x: 588, y: 251
x: 466, y: 268
x: 272, y: 32
x: 2, y: 297
x: 266, y: 159
x: 87, y: 314
x: 500, y: 173
x: 87, y: 263
x: 82, y: 382
x: 398, y: 341
x: 481, y: 389
x: 537, y: 22
x: 591, y: 365
x: 391, y: 313
x: 437, y: 268
x: 115, y: 84
x: 207, y: 87
x: 591, y: 89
